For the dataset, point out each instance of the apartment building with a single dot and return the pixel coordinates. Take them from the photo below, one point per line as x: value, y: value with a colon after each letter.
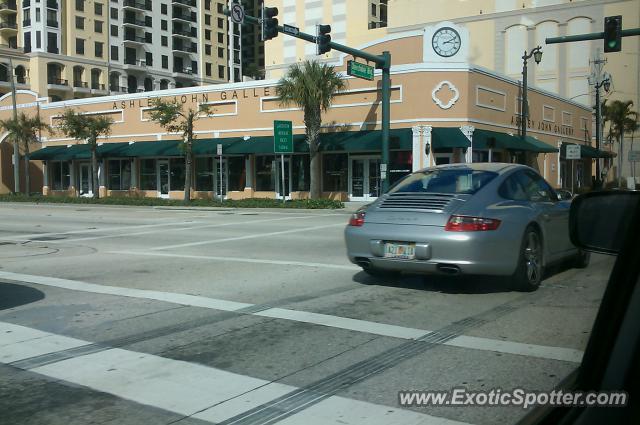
x: 69, y: 49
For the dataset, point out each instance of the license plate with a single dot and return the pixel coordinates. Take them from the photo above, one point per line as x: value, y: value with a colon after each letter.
x: 399, y: 250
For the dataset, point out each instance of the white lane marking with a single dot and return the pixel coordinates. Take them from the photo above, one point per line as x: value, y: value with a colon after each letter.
x: 21, y: 342
x: 241, y: 238
x: 519, y: 348
x: 375, y: 328
x: 177, y: 229
x: 104, y: 229
x: 186, y: 388
x: 240, y: 260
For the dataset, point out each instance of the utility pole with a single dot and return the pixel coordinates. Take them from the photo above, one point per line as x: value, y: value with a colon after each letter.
x: 16, y: 149
x: 599, y: 80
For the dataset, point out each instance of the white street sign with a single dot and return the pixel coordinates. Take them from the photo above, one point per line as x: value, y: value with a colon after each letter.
x: 219, y: 149
x: 573, y: 152
x: 237, y: 13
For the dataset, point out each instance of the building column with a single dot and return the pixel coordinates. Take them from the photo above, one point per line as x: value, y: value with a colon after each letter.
x: 428, y: 146
x: 72, y: 177
x: 45, y: 173
x: 416, y: 161
x: 102, y: 178
x: 468, y: 130
x: 248, y: 173
x: 134, y: 174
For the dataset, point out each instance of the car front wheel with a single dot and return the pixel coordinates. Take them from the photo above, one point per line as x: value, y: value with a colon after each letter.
x: 528, y: 274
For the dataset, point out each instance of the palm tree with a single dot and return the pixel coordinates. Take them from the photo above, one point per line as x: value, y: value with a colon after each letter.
x: 87, y: 127
x: 631, y: 126
x: 311, y: 86
x: 621, y: 118
x: 171, y: 117
x: 24, y: 131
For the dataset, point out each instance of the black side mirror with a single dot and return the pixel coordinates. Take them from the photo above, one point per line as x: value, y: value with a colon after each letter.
x: 564, y: 195
x: 600, y: 221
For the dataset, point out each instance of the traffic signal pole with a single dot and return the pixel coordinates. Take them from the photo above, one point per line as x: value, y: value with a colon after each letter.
x: 589, y: 36
x: 382, y: 62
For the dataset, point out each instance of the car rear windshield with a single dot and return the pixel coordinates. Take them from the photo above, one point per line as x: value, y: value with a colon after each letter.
x: 464, y: 180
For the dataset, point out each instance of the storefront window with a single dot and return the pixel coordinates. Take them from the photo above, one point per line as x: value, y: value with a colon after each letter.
x: 176, y: 168
x: 60, y: 175
x: 265, y: 173
x: 300, y: 173
x: 400, y: 165
x: 335, y: 172
x: 119, y: 174
x: 237, y: 173
x: 204, y: 174
x: 148, y: 179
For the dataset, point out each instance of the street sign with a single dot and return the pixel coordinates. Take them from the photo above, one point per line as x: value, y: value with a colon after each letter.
x: 573, y: 152
x: 282, y: 137
x: 237, y: 13
x: 634, y: 156
x: 360, y: 70
x: 290, y: 29
x: 219, y: 149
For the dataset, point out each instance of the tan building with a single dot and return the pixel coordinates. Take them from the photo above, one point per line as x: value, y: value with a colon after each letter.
x: 85, y: 48
x: 440, y: 113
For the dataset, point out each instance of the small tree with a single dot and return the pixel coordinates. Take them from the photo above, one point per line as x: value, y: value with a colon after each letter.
x: 24, y: 131
x: 87, y: 127
x: 311, y: 86
x: 172, y: 117
x: 621, y: 118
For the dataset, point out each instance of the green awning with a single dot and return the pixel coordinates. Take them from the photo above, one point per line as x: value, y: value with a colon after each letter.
x: 46, y: 153
x: 448, y: 137
x: 586, y: 151
x: 483, y: 139
x: 161, y: 148
x: 368, y: 140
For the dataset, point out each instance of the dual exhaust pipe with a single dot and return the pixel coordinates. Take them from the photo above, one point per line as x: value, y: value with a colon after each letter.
x: 448, y: 269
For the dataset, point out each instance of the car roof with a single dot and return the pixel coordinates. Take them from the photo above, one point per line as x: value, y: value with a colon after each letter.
x: 496, y: 167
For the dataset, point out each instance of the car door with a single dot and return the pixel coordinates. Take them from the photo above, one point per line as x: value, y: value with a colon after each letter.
x: 553, y: 217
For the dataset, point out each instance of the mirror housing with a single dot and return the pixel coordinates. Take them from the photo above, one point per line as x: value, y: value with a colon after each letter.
x: 564, y: 195
x: 600, y: 221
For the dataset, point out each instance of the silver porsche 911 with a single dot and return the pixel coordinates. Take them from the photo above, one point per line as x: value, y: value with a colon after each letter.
x: 480, y: 219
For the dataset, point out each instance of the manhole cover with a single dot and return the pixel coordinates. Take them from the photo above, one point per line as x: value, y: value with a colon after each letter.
x: 48, y: 238
x: 7, y: 243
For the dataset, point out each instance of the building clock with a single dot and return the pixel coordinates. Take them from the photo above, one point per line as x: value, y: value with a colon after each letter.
x: 446, y: 42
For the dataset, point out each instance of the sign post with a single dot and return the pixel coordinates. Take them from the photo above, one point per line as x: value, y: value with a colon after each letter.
x: 572, y: 153
x: 282, y: 143
x: 219, y: 152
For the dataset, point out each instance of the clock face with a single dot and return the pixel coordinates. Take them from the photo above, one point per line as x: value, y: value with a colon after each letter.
x: 446, y: 42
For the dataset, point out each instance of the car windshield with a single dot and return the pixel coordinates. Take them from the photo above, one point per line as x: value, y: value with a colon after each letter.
x: 458, y: 180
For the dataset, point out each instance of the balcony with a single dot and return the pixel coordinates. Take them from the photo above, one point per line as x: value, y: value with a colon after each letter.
x: 178, y: 16
x: 52, y: 4
x: 182, y: 72
x: 116, y: 89
x: 179, y: 32
x: 8, y: 7
x: 187, y: 49
x: 184, y: 3
x: 21, y: 83
x: 98, y: 89
x: 134, y: 64
x: 52, y: 23
x: 134, y: 40
x: 130, y: 21
x: 81, y: 87
x: 137, y: 5
x: 8, y: 27
x: 26, y: 23
x: 56, y: 83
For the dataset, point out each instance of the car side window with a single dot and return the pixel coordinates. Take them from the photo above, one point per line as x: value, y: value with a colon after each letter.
x: 535, y: 187
x: 512, y: 189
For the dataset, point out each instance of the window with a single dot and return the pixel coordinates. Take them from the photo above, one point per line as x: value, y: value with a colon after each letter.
x: 207, y: 19
x: 38, y: 15
x: 114, y: 53
x: 60, y: 176
x: 119, y: 174
x: 208, y: 69
x: 114, y: 13
x: 148, y: 180
x: 80, y: 5
x: 220, y: 52
x: 204, y: 174
x: 79, y: 22
x: 38, y: 39
x: 373, y: 9
x: 237, y: 173
x: 98, y: 8
x: 164, y: 41
x: 220, y: 37
x: 176, y: 172
x: 221, y: 23
x: 114, y: 30
x: 163, y: 9
x: 207, y: 49
x: 462, y: 180
x: 220, y: 8
x: 265, y: 173
x: 98, y: 26
x: 300, y: 173
x: 207, y: 34
x: 221, y: 71
x: 164, y: 25
x: 99, y: 49
x: 335, y: 172
x: 149, y: 58
x: 165, y: 62
x: 79, y: 46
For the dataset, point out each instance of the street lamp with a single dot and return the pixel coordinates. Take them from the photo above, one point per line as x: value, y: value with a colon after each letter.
x: 606, y: 83
x: 16, y: 152
x: 536, y: 53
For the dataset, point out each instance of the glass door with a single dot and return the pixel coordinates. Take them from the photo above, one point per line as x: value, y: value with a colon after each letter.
x: 163, y: 178
x: 364, y: 181
x: 287, y: 178
x: 85, y: 180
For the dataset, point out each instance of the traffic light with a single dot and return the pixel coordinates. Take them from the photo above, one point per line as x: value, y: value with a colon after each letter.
x: 269, y: 23
x: 323, y: 39
x: 612, y: 34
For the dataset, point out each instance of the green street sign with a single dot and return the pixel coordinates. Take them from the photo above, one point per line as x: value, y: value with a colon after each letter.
x: 282, y: 137
x: 360, y: 70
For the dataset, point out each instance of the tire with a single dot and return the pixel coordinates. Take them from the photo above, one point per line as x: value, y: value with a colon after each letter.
x: 581, y: 261
x: 529, y: 272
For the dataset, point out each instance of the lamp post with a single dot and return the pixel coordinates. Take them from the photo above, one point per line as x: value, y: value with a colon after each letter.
x: 606, y: 83
x: 16, y: 152
x: 536, y: 53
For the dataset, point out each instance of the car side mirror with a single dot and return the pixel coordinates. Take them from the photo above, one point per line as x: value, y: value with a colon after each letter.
x: 599, y: 221
x: 564, y: 195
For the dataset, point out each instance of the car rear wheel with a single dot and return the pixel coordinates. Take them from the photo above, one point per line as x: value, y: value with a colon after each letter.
x: 529, y: 272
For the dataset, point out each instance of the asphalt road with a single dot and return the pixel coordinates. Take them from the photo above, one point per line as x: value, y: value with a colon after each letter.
x: 122, y: 315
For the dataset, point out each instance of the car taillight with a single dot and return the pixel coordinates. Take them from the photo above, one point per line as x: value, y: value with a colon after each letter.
x: 462, y: 223
x: 357, y: 219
